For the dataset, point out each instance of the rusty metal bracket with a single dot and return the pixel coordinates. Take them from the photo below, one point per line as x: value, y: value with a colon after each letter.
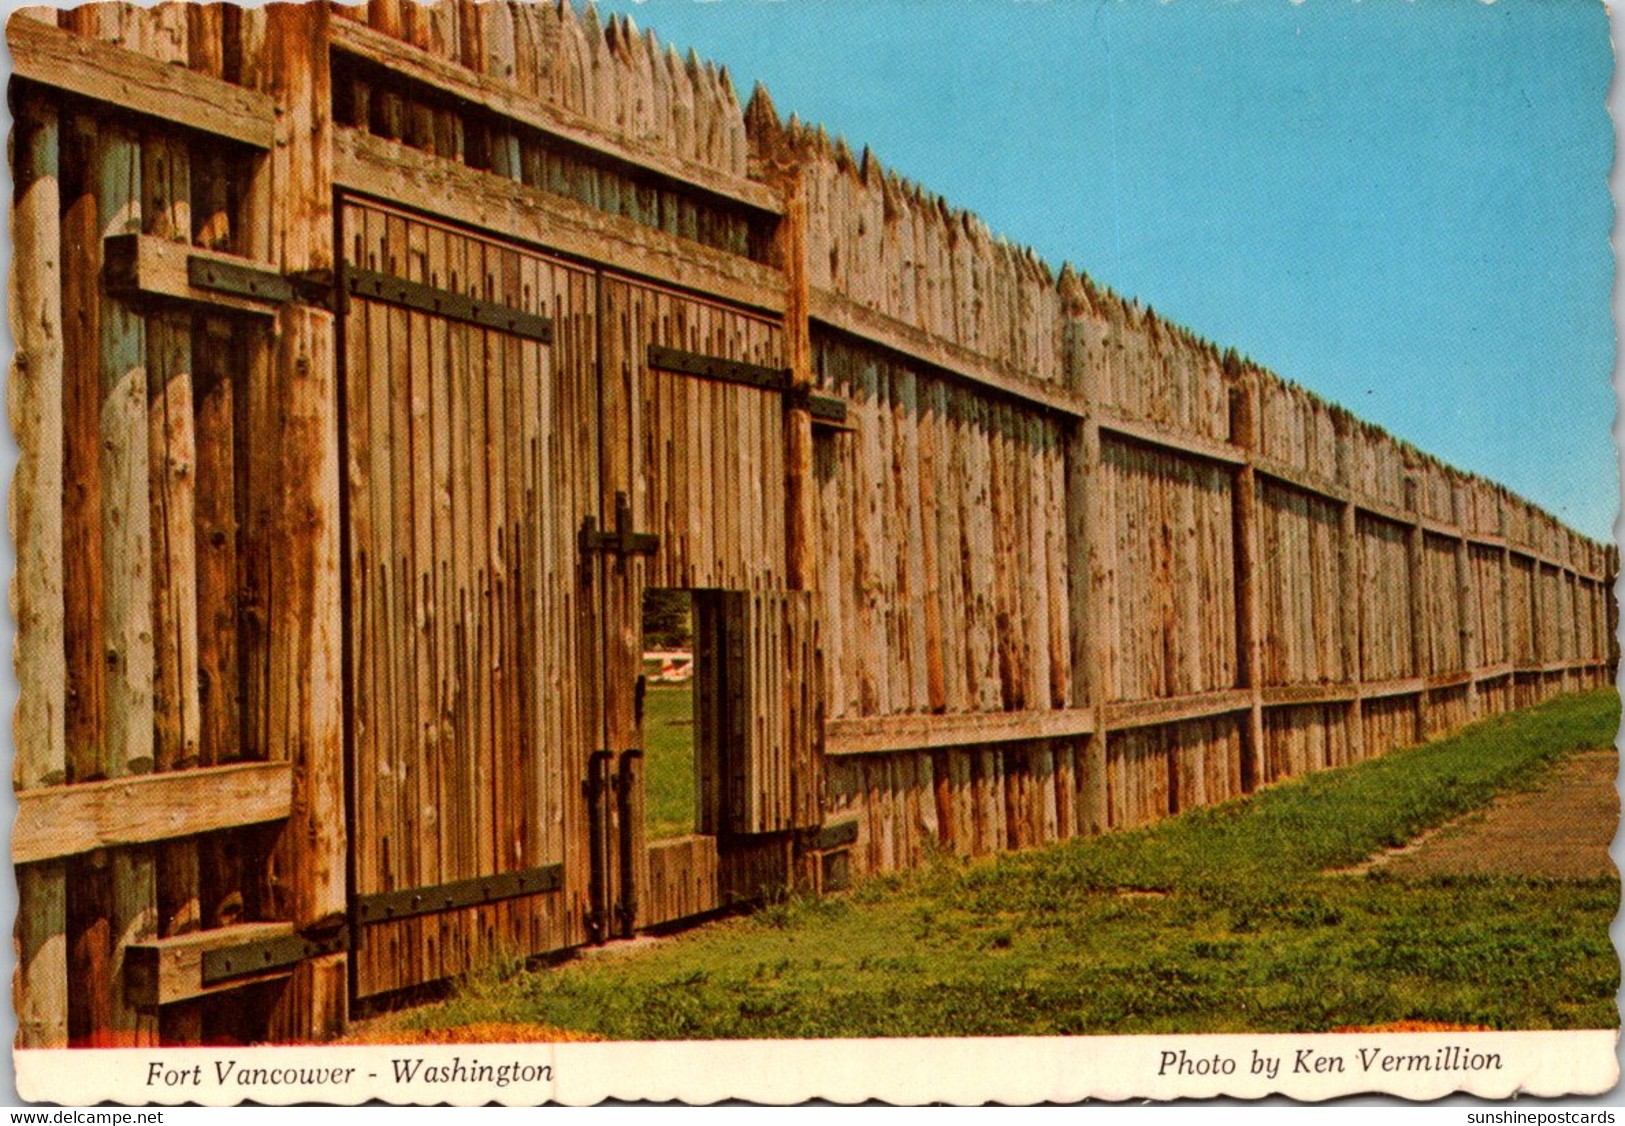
x: 270, y: 954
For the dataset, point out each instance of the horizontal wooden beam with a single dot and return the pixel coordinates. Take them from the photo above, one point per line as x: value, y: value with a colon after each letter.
x: 1154, y: 434
x: 874, y: 735
x: 1494, y: 672
x: 1288, y: 695
x: 1176, y: 709
x: 388, y: 172
x: 1444, y: 680
x: 1318, y: 486
x: 1557, y: 666
x: 1302, y: 480
x: 833, y: 310
x: 57, y: 821
x: 144, y: 267
x: 1403, y: 686
x: 123, y: 80
x: 167, y: 970
x: 1394, y: 514
x: 574, y: 131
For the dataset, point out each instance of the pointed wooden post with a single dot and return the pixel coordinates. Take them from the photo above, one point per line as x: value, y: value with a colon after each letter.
x: 294, y: 436
x: 779, y: 163
x: 35, y: 402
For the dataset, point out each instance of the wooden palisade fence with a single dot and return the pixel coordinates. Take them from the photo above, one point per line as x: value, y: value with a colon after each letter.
x: 372, y: 362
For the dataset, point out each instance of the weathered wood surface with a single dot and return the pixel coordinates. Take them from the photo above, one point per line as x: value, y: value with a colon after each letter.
x: 465, y: 678
x: 393, y: 172
x: 886, y: 734
x: 169, y: 971
x: 760, y: 756
x: 138, y: 83
x: 682, y: 881
x: 508, y: 99
x: 294, y: 432
x: 1044, y: 584
x: 35, y: 409
x: 59, y: 821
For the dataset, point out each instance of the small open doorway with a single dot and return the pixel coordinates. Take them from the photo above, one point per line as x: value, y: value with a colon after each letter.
x: 670, y: 737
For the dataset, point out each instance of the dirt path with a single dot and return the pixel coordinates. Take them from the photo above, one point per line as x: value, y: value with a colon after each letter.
x: 1560, y: 829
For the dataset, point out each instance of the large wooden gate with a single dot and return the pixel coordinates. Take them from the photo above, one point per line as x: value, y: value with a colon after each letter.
x: 530, y: 444
x: 471, y: 418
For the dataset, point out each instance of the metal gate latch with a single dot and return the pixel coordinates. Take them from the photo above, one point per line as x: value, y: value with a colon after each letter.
x: 623, y: 540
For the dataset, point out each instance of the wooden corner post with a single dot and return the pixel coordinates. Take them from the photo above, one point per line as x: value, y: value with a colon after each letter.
x: 1249, y: 623
x: 1466, y: 604
x: 1088, y: 533
x: 1416, y: 569
x: 294, y: 435
x: 1351, y: 582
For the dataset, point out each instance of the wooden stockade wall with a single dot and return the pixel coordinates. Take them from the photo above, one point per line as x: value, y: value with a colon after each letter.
x: 1080, y: 570
x: 986, y: 556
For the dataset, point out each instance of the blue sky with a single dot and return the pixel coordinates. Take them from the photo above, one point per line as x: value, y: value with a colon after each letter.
x: 1403, y: 207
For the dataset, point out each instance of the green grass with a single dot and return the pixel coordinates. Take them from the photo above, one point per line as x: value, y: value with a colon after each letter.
x: 1222, y: 920
x: 668, y: 764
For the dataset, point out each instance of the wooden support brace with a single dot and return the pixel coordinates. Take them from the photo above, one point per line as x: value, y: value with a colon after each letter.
x: 54, y: 822
x: 130, y: 82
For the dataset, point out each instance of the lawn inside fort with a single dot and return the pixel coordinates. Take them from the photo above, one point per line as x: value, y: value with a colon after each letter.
x: 1265, y: 914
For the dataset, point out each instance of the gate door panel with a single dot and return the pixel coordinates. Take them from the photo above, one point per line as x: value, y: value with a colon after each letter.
x: 470, y: 412
x: 693, y: 462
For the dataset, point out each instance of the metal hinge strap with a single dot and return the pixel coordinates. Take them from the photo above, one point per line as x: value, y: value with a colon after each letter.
x: 239, y: 280
x: 715, y: 367
x: 474, y: 891
x: 391, y: 290
x: 270, y: 954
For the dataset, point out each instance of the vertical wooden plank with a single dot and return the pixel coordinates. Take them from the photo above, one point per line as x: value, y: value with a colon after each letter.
x: 214, y: 350
x: 126, y: 563
x: 89, y: 958
x: 172, y: 458
x: 35, y: 406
